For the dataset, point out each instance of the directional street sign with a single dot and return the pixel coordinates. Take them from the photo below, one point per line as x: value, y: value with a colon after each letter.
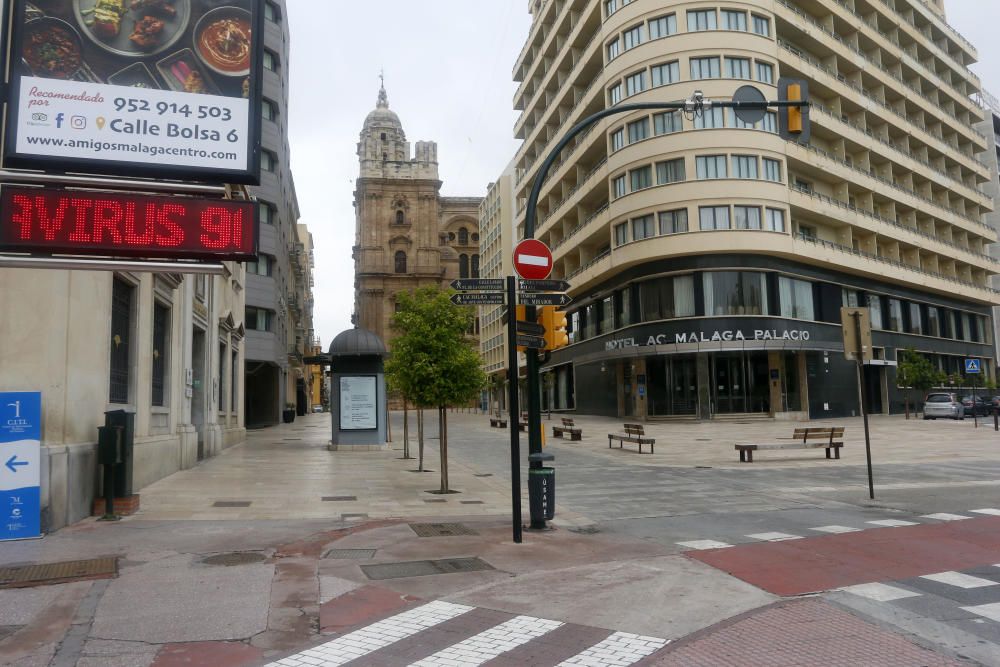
x: 531, y: 342
x: 545, y: 299
x: 532, y: 260
x: 472, y: 284
x: 542, y: 285
x: 530, y: 328
x: 478, y: 299
x: 972, y: 366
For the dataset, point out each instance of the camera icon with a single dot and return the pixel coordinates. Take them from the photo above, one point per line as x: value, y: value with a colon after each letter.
x: 78, y: 122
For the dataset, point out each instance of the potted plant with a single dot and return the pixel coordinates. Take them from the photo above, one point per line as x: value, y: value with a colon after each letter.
x: 288, y: 414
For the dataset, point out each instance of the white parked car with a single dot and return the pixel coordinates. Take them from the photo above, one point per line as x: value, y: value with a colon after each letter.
x: 942, y: 404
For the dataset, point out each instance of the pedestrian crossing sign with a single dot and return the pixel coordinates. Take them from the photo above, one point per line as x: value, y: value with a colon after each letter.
x: 972, y: 366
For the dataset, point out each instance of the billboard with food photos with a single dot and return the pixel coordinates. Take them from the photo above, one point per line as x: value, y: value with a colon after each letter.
x: 155, y: 88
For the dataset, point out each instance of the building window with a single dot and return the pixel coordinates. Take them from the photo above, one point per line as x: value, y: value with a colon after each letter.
x: 875, y: 309
x: 916, y: 323
x: 705, y: 68
x: 666, y: 298
x: 711, y: 166
x: 933, y: 321
x: 400, y: 261
x: 643, y: 228
x: 614, y: 48
x: 663, y: 26
x: 796, y: 297
x: 770, y: 122
x: 623, y: 308
x: 674, y: 222
x: 222, y: 376
x: 475, y: 266
x: 746, y: 217
x: 745, y: 166
x: 666, y: 73
x: 615, y: 94
x: 668, y: 122
x: 895, y: 315
x: 122, y: 295
x: 234, y: 381
x: 619, y: 186
x: 621, y: 234
x: 266, y: 212
x: 259, y: 319
x: 709, y: 119
x: 268, y: 160
x: 733, y: 121
x: 775, y: 220
x: 735, y: 293
x: 772, y: 170
x: 463, y: 266
x: 713, y: 217
x: 269, y: 110
x: 765, y: 72
x: 807, y: 231
x: 463, y: 236
x: 762, y: 25
x: 271, y: 12
x: 703, y: 19
x: 632, y: 37
x: 641, y: 178
x: 270, y: 60
x: 670, y: 171
x: 400, y: 217
x: 738, y: 68
x: 635, y: 83
x: 618, y: 139
x: 733, y: 20
x: 263, y: 266
x: 638, y: 130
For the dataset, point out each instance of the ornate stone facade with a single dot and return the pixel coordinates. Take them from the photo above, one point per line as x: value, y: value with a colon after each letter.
x: 407, y: 234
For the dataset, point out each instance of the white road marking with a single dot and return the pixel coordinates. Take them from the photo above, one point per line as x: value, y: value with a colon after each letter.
x: 944, y: 516
x: 774, y: 537
x: 621, y: 648
x: 836, y: 530
x: 704, y: 544
x: 490, y: 643
x: 533, y: 260
x: 959, y: 580
x: 880, y: 592
x: 990, y: 611
x: 990, y: 511
x: 893, y: 523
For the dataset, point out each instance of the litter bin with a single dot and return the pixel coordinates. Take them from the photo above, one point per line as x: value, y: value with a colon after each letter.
x: 123, y: 474
x: 542, y: 492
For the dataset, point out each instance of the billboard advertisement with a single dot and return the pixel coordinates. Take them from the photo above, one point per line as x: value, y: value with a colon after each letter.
x: 114, y: 224
x: 158, y: 88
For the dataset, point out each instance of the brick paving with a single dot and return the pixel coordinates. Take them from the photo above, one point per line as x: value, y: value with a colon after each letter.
x: 804, y: 633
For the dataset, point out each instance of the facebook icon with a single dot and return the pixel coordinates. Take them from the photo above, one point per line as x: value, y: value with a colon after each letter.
x: 59, y: 119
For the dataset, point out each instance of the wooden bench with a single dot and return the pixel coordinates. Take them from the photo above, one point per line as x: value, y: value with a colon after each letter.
x: 633, y: 433
x: 523, y: 424
x: 829, y: 438
x: 567, y: 427
x: 497, y: 422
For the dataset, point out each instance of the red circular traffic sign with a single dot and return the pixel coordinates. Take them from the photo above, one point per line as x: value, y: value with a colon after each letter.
x: 532, y: 260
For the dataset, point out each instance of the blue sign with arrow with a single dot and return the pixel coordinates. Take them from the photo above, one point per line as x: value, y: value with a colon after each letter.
x: 20, y: 465
x: 973, y: 366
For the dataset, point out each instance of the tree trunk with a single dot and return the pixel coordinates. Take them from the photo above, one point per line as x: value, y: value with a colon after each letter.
x: 388, y: 423
x: 443, y: 428
x: 406, y: 430
x: 906, y: 403
x: 420, y: 437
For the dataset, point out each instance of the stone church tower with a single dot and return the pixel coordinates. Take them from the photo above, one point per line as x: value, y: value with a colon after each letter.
x: 407, y: 234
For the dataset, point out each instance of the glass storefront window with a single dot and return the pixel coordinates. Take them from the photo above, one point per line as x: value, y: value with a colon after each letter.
x: 916, y: 320
x: 574, y: 328
x: 895, y: 315
x: 623, y: 306
x: 933, y: 321
x: 796, y: 298
x: 735, y: 293
x: 607, y: 315
x: 590, y: 321
x: 850, y: 298
x: 666, y: 298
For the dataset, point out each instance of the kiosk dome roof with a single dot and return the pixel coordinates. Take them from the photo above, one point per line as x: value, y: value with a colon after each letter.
x: 357, y: 343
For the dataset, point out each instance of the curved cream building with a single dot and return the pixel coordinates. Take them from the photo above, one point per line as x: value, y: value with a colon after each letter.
x: 709, y: 259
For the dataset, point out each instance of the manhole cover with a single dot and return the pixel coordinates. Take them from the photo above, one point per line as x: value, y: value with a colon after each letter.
x: 585, y: 530
x: 57, y: 573
x: 425, y: 568
x: 441, y: 529
x: 339, y: 499
x: 350, y: 554
x: 231, y: 503
x: 235, y: 558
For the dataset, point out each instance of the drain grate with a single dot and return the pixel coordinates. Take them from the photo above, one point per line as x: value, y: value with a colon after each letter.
x: 235, y: 558
x: 435, y: 500
x: 339, y: 499
x: 58, y: 573
x: 488, y: 474
x: 472, y: 502
x: 231, y: 503
x: 425, y: 568
x: 350, y: 554
x: 441, y: 529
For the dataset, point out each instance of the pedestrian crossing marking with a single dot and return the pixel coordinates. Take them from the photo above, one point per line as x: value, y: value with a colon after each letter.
x: 774, y: 537
x: 880, y: 592
x: 990, y: 511
x: 959, y: 580
x: 621, y: 648
x: 990, y: 611
x: 944, y: 516
x: 702, y: 545
x: 893, y: 523
x: 490, y: 643
x: 835, y: 530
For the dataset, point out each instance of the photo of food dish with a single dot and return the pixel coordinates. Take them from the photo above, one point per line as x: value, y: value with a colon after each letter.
x: 135, y: 75
x: 52, y: 48
x: 133, y: 28
x: 223, y: 41
x: 183, y: 73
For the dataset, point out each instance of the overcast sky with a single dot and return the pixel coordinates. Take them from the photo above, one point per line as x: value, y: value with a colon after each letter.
x: 448, y: 70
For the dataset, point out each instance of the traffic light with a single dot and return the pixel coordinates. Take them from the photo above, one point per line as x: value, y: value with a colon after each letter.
x: 554, y: 321
x: 793, y: 122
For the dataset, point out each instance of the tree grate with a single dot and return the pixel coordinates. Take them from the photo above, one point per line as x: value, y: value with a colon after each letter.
x: 339, y: 499
x: 441, y: 529
x: 425, y: 568
x: 25, y: 576
x: 235, y: 558
x: 350, y: 554
x: 231, y: 503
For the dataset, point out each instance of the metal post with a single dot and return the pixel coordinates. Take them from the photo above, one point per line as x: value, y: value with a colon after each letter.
x: 512, y: 407
x: 534, y: 421
x: 864, y: 403
x: 975, y: 414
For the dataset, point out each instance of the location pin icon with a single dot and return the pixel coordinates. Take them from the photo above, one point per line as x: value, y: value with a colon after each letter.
x: 100, y: 122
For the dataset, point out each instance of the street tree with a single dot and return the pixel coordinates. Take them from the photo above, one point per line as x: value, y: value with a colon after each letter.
x: 916, y: 372
x: 434, y: 361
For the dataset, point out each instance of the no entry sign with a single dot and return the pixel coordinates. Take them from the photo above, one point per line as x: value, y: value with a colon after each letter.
x: 532, y: 260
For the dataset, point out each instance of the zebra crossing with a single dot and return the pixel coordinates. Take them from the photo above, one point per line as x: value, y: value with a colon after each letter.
x: 434, y: 635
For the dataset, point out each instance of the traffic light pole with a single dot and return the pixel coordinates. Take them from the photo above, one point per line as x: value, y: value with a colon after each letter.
x: 696, y: 104
x: 513, y: 408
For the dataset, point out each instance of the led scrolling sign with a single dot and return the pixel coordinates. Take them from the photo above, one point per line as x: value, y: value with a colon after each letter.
x: 126, y: 225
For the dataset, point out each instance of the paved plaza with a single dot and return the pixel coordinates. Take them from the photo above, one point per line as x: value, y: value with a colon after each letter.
x: 281, y: 552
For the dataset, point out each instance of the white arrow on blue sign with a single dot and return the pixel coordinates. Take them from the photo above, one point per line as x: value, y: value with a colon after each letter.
x: 972, y: 366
